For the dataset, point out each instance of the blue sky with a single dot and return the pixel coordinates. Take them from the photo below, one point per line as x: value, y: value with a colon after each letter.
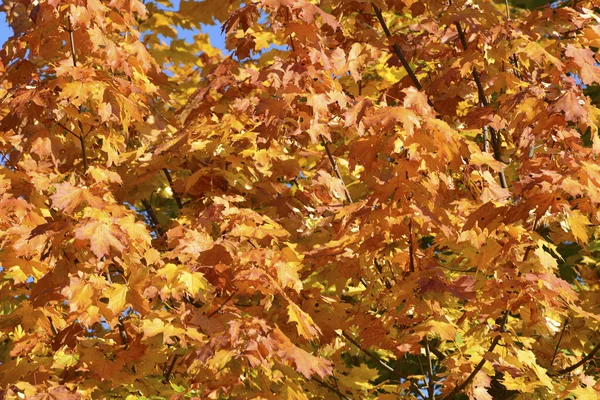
x: 5, y: 31
x: 214, y: 31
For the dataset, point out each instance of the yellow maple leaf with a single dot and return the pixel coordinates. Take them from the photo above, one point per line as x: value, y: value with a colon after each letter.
x: 304, y: 323
x: 360, y: 377
x: 117, y: 298
x: 578, y: 223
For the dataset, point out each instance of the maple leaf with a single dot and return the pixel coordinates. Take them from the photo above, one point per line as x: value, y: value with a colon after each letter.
x: 578, y: 224
x: 304, y: 323
x: 102, y: 236
x: 168, y: 213
x: 117, y: 298
x: 68, y: 197
x: 569, y: 104
x: 305, y: 363
x: 584, y: 59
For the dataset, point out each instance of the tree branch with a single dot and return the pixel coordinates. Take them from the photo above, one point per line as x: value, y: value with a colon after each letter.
x: 367, y: 352
x: 397, y: 48
x: 400, y: 54
x: 70, y: 30
x: 580, y: 362
x: 328, y: 386
x: 152, y: 216
x: 430, y: 381
x: 175, y: 195
x: 558, y: 343
x: 481, y: 363
x: 227, y: 300
x: 169, y: 371
x: 496, y: 145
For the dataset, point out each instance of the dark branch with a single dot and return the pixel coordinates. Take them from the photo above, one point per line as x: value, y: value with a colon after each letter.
x: 227, y: 300
x: 169, y: 371
x: 152, y: 216
x: 175, y: 195
x: 558, y: 343
x: 496, y: 144
x: 430, y: 381
x: 367, y: 352
x: 397, y: 48
x: 328, y: 386
x: 481, y: 363
x: 580, y: 362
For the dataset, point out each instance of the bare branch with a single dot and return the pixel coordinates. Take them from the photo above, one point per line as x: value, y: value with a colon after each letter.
x: 152, y: 216
x: 70, y: 30
x: 397, y: 48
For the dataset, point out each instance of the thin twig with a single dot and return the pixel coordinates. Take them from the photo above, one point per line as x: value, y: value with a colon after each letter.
x: 367, y: 352
x: 335, y: 382
x: 70, y: 29
x: 481, y: 363
x: 328, y: 386
x: 82, y: 136
x: 579, y: 363
x: 411, y: 250
x: 513, y: 59
x: 227, y: 300
x: 67, y: 129
x: 83, y: 153
x: 175, y: 195
x: 430, y: 379
x: 558, y: 343
x: 335, y: 168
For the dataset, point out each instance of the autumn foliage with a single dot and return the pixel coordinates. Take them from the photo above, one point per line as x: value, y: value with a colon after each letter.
x: 356, y: 200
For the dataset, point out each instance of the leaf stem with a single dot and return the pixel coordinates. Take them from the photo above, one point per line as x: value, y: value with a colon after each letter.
x: 335, y: 168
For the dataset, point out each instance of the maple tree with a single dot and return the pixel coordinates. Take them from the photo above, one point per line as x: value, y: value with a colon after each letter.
x: 387, y: 199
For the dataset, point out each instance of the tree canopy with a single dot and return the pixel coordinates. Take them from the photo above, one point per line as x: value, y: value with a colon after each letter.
x: 354, y: 200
